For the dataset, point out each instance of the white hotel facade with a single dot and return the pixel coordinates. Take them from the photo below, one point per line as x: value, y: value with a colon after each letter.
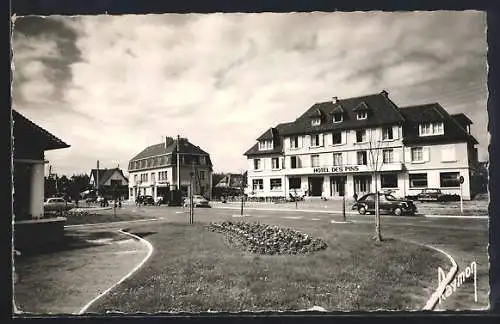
x: 343, y: 141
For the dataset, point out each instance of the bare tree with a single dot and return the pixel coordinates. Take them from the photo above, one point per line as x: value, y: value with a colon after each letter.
x: 375, y: 149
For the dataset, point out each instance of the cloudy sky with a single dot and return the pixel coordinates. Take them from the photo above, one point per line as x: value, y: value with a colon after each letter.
x: 111, y: 85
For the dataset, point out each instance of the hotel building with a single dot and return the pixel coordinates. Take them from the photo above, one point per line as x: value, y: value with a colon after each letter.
x: 154, y: 170
x: 334, y: 147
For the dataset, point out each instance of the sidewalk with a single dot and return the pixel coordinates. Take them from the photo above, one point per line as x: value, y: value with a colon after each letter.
x: 335, y: 207
x: 62, y: 282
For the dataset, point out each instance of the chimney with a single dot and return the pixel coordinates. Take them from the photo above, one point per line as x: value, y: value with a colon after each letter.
x: 168, y: 141
x: 335, y: 99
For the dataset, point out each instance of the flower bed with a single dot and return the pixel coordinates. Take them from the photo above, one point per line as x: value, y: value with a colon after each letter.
x: 266, y: 239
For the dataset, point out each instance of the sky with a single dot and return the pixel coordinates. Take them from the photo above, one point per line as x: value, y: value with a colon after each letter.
x: 110, y: 86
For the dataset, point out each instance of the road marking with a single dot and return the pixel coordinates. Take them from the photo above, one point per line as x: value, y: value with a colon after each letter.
x: 342, y: 222
x: 150, y: 252
x: 456, y: 216
x: 315, y: 219
x: 112, y: 223
x: 292, y: 217
x: 234, y: 215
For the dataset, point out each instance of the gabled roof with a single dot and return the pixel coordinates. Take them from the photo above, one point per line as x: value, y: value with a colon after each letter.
x: 337, y: 109
x: 231, y: 180
x: 105, y: 174
x: 25, y: 128
x: 361, y: 107
x: 433, y: 112
x: 159, y: 149
x: 316, y: 113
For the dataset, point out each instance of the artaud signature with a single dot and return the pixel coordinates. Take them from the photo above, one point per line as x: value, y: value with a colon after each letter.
x: 458, y: 281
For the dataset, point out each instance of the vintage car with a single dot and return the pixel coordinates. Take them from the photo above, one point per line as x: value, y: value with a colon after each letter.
x: 430, y: 194
x: 57, y: 205
x: 198, y: 201
x: 387, y: 203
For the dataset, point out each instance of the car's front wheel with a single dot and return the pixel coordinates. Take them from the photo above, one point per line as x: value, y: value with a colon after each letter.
x: 362, y: 210
x: 398, y: 211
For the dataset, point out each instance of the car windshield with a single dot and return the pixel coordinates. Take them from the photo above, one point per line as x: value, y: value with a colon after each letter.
x: 390, y: 197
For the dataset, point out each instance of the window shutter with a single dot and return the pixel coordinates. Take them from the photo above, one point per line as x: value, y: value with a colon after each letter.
x: 328, y: 139
x: 301, y: 141
x: 321, y: 139
x: 288, y: 143
x: 395, y: 156
x: 395, y: 132
x: 426, y: 154
x: 282, y: 163
x: 407, y: 154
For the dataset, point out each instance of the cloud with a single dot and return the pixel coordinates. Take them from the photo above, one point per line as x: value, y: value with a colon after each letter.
x: 112, y: 85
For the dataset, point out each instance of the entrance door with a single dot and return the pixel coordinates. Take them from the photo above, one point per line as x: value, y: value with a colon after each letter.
x: 337, y: 186
x: 362, y: 184
x: 315, y: 186
x: 22, y: 194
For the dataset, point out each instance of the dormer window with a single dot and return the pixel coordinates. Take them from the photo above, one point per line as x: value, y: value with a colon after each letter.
x: 338, y: 118
x: 265, y: 145
x: 361, y: 115
x: 431, y: 129
x: 315, y: 121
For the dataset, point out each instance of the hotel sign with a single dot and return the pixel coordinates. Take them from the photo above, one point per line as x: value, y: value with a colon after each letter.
x: 340, y: 169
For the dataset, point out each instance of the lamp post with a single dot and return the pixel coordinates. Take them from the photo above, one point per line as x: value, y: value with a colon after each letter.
x: 191, y: 202
x: 343, y: 197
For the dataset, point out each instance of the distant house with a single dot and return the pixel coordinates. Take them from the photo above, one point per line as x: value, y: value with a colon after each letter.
x: 30, y: 142
x: 111, y: 182
x: 230, y: 185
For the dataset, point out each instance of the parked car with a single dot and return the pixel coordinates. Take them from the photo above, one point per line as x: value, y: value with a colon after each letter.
x: 198, y: 201
x: 430, y: 194
x: 57, y: 205
x: 147, y: 200
x: 387, y: 203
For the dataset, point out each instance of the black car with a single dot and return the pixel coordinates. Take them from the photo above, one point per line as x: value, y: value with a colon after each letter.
x: 430, y: 194
x: 146, y: 200
x: 387, y: 203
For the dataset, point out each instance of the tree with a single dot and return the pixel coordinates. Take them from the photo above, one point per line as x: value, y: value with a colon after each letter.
x: 375, y: 150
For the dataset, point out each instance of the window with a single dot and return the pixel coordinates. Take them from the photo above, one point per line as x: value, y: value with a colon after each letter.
x: 256, y: 164
x: 294, y: 142
x: 338, y: 118
x: 152, y: 176
x: 449, y: 179
x: 362, y: 158
x: 155, y: 161
x: 316, y: 122
x: 315, y: 140
x: 388, y: 156
x: 143, y: 164
x: 202, y: 175
x: 293, y: 162
x: 258, y: 184
x: 429, y: 129
x: 202, y: 160
x: 387, y: 133
x: 294, y: 183
x: 337, y: 159
x: 162, y: 175
x: 275, y: 163
x: 417, y: 154
x: 418, y: 180
x: 276, y: 184
x: 389, y: 180
x: 337, y: 138
x: 135, y: 177
x: 265, y: 145
x: 361, y: 136
x: 150, y: 162
x: 315, y: 160
x: 116, y: 183
x: 362, y: 115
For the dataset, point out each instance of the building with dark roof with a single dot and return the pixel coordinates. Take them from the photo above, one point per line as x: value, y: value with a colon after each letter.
x: 112, y: 182
x: 334, y: 147
x: 154, y: 170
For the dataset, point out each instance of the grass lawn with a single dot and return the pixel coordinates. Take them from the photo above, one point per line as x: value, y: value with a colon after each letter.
x: 104, y: 216
x: 194, y: 270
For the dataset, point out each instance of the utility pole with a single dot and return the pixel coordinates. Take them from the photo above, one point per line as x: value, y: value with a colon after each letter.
x: 97, y: 179
x: 178, y: 164
x: 191, y: 202
x: 343, y: 197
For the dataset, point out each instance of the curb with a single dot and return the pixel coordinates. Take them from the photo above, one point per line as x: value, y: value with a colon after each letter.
x: 432, y: 301
x: 347, y: 212
x: 137, y: 267
x: 112, y: 223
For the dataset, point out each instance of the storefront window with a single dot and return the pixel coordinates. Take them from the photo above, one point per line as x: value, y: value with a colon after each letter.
x: 389, y: 180
x: 276, y: 184
x: 449, y: 179
x: 294, y: 183
x: 418, y: 180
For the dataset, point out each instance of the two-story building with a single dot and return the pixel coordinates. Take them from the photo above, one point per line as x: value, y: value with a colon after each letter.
x: 346, y: 146
x: 154, y: 171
